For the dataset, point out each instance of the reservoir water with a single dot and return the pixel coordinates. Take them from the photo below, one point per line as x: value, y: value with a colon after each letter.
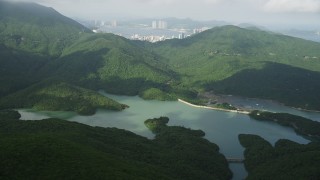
x: 220, y: 127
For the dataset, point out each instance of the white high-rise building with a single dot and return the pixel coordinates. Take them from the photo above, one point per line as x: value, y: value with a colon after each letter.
x: 114, y: 23
x: 181, y: 36
x: 154, y: 25
x: 162, y: 25
x: 159, y: 24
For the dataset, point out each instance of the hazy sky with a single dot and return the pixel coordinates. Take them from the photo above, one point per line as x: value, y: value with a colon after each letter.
x: 263, y: 12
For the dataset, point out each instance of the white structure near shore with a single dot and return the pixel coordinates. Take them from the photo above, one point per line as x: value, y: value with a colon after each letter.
x: 213, y: 108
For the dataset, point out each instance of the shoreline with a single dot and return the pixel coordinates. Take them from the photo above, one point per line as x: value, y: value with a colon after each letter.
x: 213, y: 108
x: 305, y: 110
x: 223, y: 98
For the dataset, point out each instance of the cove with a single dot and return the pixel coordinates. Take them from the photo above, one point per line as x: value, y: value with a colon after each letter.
x: 220, y: 127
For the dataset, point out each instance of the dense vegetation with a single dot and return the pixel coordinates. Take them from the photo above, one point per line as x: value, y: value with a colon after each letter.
x: 225, y: 106
x: 59, y: 96
x: 58, y: 149
x: 250, y: 63
x: 158, y: 94
x: 30, y: 27
x: 190, y: 148
x: 30, y: 36
x: 301, y: 125
x: 287, y: 160
x: 37, y: 43
x: 111, y: 63
x: 292, y: 86
x: 65, y: 51
x: 50, y: 62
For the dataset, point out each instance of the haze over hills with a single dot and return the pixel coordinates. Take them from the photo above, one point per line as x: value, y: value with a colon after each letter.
x: 39, y: 45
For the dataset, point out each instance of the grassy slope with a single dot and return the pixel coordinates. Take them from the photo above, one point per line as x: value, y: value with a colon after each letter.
x: 55, y: 149
x: 287, y: 160
x: 55, y: 96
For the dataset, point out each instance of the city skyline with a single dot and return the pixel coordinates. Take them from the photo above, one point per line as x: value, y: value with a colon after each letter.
x: 288, y: 13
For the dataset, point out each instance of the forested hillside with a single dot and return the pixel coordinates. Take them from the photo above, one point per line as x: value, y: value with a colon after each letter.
x: 287, y: 160
x: 37, y: 45
x: 58, y: 149
x: 111, y: 63
x: 59, y: 96
x: 30, y: 36
x: 250, y: 63
x: 33, y: 28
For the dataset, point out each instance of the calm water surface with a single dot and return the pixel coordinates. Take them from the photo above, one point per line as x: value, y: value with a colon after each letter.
x: 220, y: 127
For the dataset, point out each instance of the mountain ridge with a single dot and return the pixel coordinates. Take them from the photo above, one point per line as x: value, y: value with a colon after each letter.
x: 222, y: 59
x: 39, y: 45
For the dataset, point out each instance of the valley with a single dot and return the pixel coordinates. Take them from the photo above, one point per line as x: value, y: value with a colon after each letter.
x: 111, y: 107
x: 225, y: 60
x: 220, y: 127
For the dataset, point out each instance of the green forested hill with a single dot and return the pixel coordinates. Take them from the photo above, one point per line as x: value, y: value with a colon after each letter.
x: 30, y: 36
x: 251, y: 63
x: 235, y: 45
x: 301, y: 125
x: 37, y: 44
x: 58, y: 149
x: 287, y: 160
x: 112, y: 63
x: 33, y: 28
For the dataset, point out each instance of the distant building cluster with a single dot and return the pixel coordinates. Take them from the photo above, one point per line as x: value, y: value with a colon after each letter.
x: 159, y: 24
x: 151, y: 38
x: 100, y: 23
x: 196, y: 31
x: 144, y: 32
x: 155, y: 38
x: 182, y: 36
